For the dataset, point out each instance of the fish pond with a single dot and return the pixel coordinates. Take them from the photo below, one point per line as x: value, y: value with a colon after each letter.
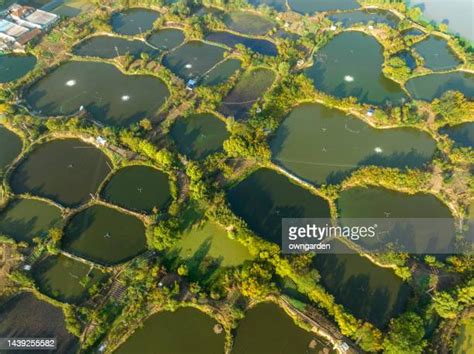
x: 265, y: 197
x: 437, y: 54
x: 139, y: 188
x: 134, y: 21
x: 110, y: 96
x: 431, y: 86
x: 260, y: 46
x: 370, y: 292
x: 24, y: 219
x: 14, y: 67
x: 249, y: 88
x: 193, y: 59
x: 199, y: 135
x: 66, y: 279
x: 205, y: 247
x: 324, y: 145
x: 267, y: 329
x: 109, y: 47
x: 185, y: 331
x: 311, y: 6
x: 278, y: 5
x: 66, y: 171
x: 436, y: 237
x: 26, y: 316
x: 11, y: 147
x: 166, y: 38
x: 462, y: 134
x: 248, y: 23
x: 221, y: 73
x: 349, y: 19
x: 351, y: 65
x: 104, y: 235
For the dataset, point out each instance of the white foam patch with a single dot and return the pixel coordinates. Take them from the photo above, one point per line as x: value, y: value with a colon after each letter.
x: 71, y: 83
x: 378, y: 150
x: 125, y: 98
x: 348, y: 78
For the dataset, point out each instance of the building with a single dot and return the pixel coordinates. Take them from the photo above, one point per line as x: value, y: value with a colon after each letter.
x: 21, y: 24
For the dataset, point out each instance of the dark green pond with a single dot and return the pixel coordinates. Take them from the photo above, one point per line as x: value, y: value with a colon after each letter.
x: 25, y: 316
x: 14, y: 67
x: 376, y: 202
x: 437, y: 54
x: 66, y: 279
x: 248, y: 23
x: 267, y: 329
x: 429, y: 87
x: 199, y: 135
x: 349, y: 19
x: 193, y: 59
x: 140, y: 188
x: 461, y: 134
x: 324, y: 145
x: 166, y: 39
x: 101, y: 89
x: 370, y: 292
x: 221, y: 73
x: 185, y: 331
x: 412, y: 32
x: 278, y: 5
x: 351, y: 65
x: 104, y: 235
x: 11, y: 147
x: 260, y: 46
x: 67, y: 171
x: 109, y: 47
x: 265, y: 197
x: 134, y: 21
x: 312, y: 6
x: 24, y: 219
x: 250, y: 87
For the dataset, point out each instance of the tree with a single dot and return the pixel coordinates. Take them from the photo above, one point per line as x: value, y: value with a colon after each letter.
x: 369, y: 338
x: 405, y: 335
x: 255, y: 280
x: 445, y: 305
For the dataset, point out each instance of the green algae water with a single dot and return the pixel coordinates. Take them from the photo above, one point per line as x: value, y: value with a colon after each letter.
x: 323, y: 145
x: 310, y: 6
x: 108, y: 47
x: 26, y: 316
x: 24, y: 219
x: 14, y: 67
x: 140, y: 188
x: 166, y: 38
x: 431, y: 86
x: 11, y: 147
x: 462, y: 134
x: 250, y: 87
x: 101, y: 90
x: 221, y: 72
x: 260, y: 46
x: 66, y: 279
x: 437, y: 54
x: 193, y: 59
x: 267, y: 329
x: 104, y: 235
x: 185, y: 331
x: 383, y: 203
x: 134, y: 21
x: 350, y: 65
x: 265, y: 197
x: 248, y: 23
x: 66, y: 171
x: 199, y: 135
x: 370, y: 292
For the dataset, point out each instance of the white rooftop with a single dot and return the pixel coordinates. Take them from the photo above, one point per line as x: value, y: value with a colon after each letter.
x: 41, y: 17
x: 12, y: 29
